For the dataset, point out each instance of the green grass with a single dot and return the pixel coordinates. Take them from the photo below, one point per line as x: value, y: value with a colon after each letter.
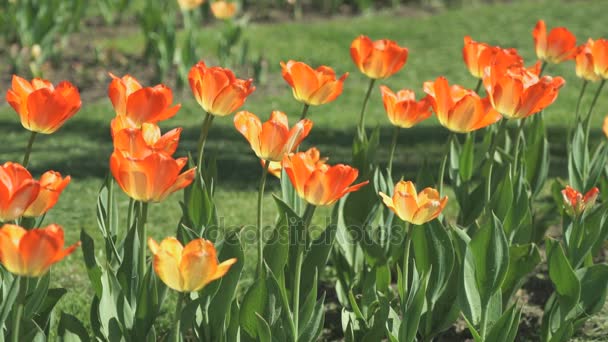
x: 82, y: 147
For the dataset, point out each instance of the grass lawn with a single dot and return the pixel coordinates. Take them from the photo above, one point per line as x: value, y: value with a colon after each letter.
x: 82, y: 147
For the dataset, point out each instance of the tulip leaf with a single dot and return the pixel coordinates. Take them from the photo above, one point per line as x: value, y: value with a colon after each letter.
x: 413, y: 308
x: 317, y: 256
x: 593, y: 289
x: 9, y: 295
x: 149, y: 301
x: 70, y: 329
x: 313, y: 327
x: 578, y: 158
x: 598, y: 164
x: 93, y: 269
x: 253, y: 304
x: 522, y: 260
x: 467, y: 158
x: 264, y: 334
x: 36, y: 297
x: 567, y: 285
x: 536, y: 154
x: 505, y: 328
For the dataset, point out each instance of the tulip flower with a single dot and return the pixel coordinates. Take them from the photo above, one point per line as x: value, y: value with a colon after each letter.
x: 275, y: 168
x: 42, y: 107
x: 18, y: 190
x: 30, y: 253
x: 136, y: 105
x: 477, y: 56
x: 51, y: 186
x: 584, y: 62
x: 152, y: 178
x: 189, y: 268
x: 377, y: 59
x: 558, y: 46
x: 402, y: 108
x: 459, y: 110
x: 140, y: 143
x: 223, y: 9
x: 575, y: 203
x: 187, y: 5
x: 273, y: 139
x: 600, y: 57
x: 518, y: 92
x: 413, y: 207
x: 217, y: 90
x: 312, y: 86
x: 318, y: 183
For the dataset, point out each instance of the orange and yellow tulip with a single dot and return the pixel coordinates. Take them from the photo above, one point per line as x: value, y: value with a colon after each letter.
x: 318, y: 183
x: 217, y: 90
x: 518, y: 92
x: 42, y: 107
x: 402, y: 108
x: 413, y: 207
x: 273, y: 139
x: 377, y: 59
x: 312, y: 86
x: 459, y: 110
x: 223, y: 9
x: 30, y: 253
x: 600, y: 57
x: 575, y: 203
x: 275, y: 168
x: 136, y: 105
x: 189, y: 268
x: 140, y: 143
x: 187, y: 5
x: 477, y: 56
x: 51, y: 186
x: 18, y: 190
x: 152, y: 178
x: 584, y: 62
x: 558, y: 46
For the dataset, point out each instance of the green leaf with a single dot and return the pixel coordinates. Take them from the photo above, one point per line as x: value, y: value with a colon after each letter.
x: 317, y: 256
x: 413, y: 309
x: 505, y: 329
x: 598, y: 164
x: 264, y: 334
x: 93, y: 269
x: 467, y: 158
x: 536, y: 154
x: 562, y: 276
x: 70, y: 329
x: 522, y: 261
x: 314, y: 326
x: 593, y: 281
x: 35, y: 299
x: 253, y: 304
x: 9, y: 295
x: 149, y: 301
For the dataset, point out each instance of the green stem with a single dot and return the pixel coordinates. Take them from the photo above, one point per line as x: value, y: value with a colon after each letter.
x: 306, y: 218
x: 178, y: 314
x: 393, y: 147
x: 260, y: 227
x: 520, y: 128
x: 22, y: 283
x: 203, y: 138
x: 588, y: 118
x: 406, y: 257
x: 478, y: 86
x: 141, y: 233
x: 444, y: 163
x: 542, y: 68
x: 28, y: 149
x: 578, y: 102
x: 304, y: 111
x: 483, y: 323
x: 497, y: 133
x: 361, y: 127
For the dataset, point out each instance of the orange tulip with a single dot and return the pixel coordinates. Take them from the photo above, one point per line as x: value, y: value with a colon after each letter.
x: 275, y: 168
x: 51, y: 186
x: 187, y: 5
x: 459, y: 110
x: 217, y: 90
x: 558, y: 46
x: 584, y: 62
x: 152, y: 178
x: 605, y: 126
x: 312, y: 86
x: 223, y: 9
x: 377, y: 59
x: 18, y: 190
x: 600, y: 57
x: 273, y: 139
x: 136, y: 105
x: 575, y: 203
x: 518, y: 92
x: 318, y: 183
x: 140, y: 143
x: 189, y: 268
x: 402, y: 109
x: 477, y: 56
x: 30, y: 253
x: 42, y: 107
x: 413, y: 207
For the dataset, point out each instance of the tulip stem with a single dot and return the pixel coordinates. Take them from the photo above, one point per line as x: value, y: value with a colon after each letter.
x: 260, y: 224
x: 304, y: 111
x: 444, y: 162
x: 365, y: 100
x: 478, y: 86
x: 580, y: 99
x: 520, y: 128
x: 181, y: 298
x: 301, y: 242
x: 542, y: 68
x: 406, y: 257
x: 203, y: 138
x: 22, y: 284
x: 28, y: 149
x: 393, y: 147
x: 141, y: 232
x: 588, y: 118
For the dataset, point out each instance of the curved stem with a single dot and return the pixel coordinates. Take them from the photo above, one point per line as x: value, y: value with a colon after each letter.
x: 578, y: 102
x: 361, y: 126
x: 304, y: 111
x: 393, y: 147
x: 22, y: 283
x: 306, y: 218
x: 177, y: 317
x: 202, y: 139
x: 260, y: 227
x: 406, y: 257
x: 444, y: 163
x: 141, y: 233
x: 478, y: 86
x: 28, y: 149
